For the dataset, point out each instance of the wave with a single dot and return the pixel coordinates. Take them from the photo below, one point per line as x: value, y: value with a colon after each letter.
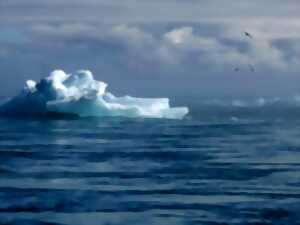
x: 81, y: 95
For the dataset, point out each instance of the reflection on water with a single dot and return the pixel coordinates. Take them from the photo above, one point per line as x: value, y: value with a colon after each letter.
x: 121, y: 171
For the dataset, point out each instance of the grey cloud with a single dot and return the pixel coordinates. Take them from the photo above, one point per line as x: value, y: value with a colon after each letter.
x: 148, y: 11
x: 265, y: 18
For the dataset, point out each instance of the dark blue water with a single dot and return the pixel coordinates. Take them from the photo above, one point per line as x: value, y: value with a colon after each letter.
x: 226, y: 168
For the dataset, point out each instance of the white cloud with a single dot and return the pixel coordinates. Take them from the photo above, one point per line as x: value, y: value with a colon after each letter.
x: 183, y: 44
x: 179, y: 36
x: 178, y: 47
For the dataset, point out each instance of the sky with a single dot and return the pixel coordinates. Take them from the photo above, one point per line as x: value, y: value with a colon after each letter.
x: 175, y: 48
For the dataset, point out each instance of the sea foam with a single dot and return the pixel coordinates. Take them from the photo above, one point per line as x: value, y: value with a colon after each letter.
x: 81, y: 95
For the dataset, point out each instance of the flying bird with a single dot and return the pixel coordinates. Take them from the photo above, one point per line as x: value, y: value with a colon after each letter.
x: 251, y: 67
x: 236, y: 69
x: 248, y: 34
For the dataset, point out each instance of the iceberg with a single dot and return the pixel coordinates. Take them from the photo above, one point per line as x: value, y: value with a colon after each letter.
x: 81, y: 95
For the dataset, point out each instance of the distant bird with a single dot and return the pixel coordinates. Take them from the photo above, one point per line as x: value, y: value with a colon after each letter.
x: 248, y: 34
x: 236, y: 69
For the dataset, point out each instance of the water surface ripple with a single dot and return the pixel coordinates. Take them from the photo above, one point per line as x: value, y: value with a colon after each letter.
x: 144, y: 171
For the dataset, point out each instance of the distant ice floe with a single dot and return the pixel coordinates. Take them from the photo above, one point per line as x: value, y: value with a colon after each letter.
x: 81, y: 95
x: 254, y: 103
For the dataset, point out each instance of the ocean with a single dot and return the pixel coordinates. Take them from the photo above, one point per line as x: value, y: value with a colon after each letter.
x: 219, y: 165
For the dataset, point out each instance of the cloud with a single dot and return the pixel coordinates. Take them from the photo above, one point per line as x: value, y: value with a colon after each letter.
x: 211, y: 51
x: 192, y: 42
x: 131, y: 11
x: 180, y: 47
x: 179, y: 36
x: 85, y: 31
